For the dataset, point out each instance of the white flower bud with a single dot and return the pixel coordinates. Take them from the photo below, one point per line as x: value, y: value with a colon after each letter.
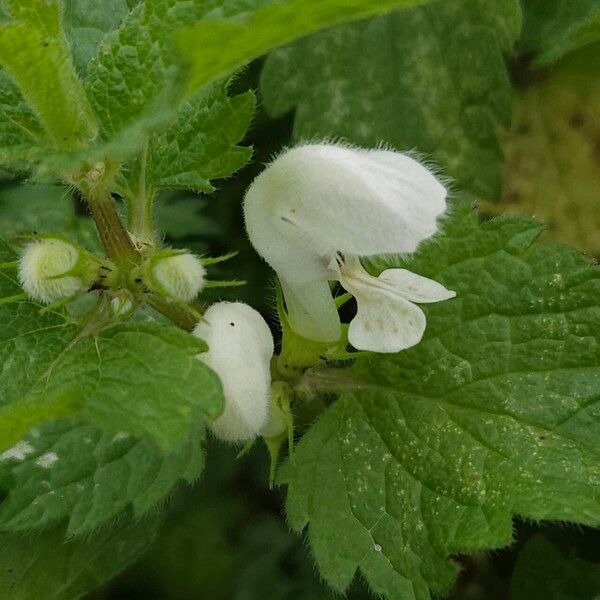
x: 318, y: 208
x: 176, y: 275
x: 52, y: 269
x: 240, y: 347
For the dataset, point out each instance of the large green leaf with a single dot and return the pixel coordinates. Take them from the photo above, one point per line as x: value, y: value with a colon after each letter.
x: 199, y: 146
x: 45, y: 209
x: 45, y: 566
x: 494, y: 413
x: 543, y: 572
x: 552, y: 28
x: 230, y: 43
x: 431, y: 79
x: 87, y: 22
x: 36, y: 55
x: 62, y: 470
x: 142, y: 378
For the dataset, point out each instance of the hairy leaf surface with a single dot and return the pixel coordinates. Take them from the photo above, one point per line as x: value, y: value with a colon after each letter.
x: 63, y: 470
x: 231, y: 43
x: 494, y: 413
x: 431, y: 79
x: 45, y: 566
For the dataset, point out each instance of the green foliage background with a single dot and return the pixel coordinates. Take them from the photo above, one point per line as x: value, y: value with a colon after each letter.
x: 483, y: 438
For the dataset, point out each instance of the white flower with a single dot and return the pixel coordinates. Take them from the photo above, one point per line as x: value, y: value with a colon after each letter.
x: 317, y: 208
x: 175, y: 274
x: 240, y: 347
x: 52, y: 268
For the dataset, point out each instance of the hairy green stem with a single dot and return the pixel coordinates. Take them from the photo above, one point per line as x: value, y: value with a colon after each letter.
x: 180, y: 316
x: 113, y: 234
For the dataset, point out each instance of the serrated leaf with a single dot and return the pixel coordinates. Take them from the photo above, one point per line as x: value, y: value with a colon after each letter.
x: 142, y: 378
x: 63, y: 470
x: 231, y: 43
x: 34, y: 49
x: 430, y: 79
x: 87, y: 22
x: 543, y: 572
x: 552, y: 28
x: 551, y: 167
x: 20, y: 131
x: 201, y: 145
x: 494, y: 413
x: 45, y: 566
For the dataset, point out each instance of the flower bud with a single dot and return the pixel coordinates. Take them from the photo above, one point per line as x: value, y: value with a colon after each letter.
x: 52, y: 268
x: 240, y: 347
x: 176, y: 275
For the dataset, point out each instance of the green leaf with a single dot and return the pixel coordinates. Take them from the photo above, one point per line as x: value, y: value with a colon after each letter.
x: 36, y: 55
x: 142, y: 378
x: 228, y: 44
x: 431, y: 79
x: 197, y: 551
x: 494, y: 413
x: 45, y: 209
x: 543, y: 572
x: 552, y: 28
x: 45, y: 566
x: 551, y: 168
x: 87, y: 22
x: 201, y: 145
x: 63, y: 470
x: 20, y: 131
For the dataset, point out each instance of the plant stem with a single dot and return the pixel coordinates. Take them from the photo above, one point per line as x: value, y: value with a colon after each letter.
x: 140, y: 204
x: 113, y: 234
x: 178, y: 315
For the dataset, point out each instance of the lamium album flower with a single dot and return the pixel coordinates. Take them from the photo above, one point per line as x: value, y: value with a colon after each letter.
x: 317, y: 209
x: 240, y: 347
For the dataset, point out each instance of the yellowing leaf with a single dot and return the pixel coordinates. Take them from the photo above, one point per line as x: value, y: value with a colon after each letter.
x: 552, y: 167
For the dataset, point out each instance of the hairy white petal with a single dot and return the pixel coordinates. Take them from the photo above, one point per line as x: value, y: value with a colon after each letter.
x: 317, y: 200
x: 180, y: 276
x: 41, y: 266
x: 311, y: 310
x: 384, y: 321
x: 240, y: 346
x: 416, y: 288
x: 333, y: 198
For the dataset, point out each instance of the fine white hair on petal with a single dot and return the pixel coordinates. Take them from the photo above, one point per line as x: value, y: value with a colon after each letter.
x: 316, y: 200
x: 181, y: 276
x: 41, y: 266
x: 363, y: 202
x: 240, y: 347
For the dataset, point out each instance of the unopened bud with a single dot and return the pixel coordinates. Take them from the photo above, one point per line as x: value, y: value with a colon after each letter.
x: 52, y: 268
x: 176, y: 275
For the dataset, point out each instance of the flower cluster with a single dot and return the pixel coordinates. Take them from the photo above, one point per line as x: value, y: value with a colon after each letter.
x: 312, y: 214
